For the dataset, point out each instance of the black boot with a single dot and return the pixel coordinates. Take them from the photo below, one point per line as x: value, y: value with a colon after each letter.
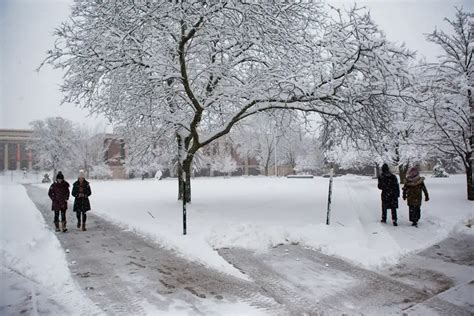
x: 84, y: 217
x: 56, y: 224
x: 395, y: 223
x: 64, y: 226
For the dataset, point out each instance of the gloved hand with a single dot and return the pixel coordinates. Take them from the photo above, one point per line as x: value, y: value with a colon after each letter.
x: 427, y: 198
x: 404, y: 197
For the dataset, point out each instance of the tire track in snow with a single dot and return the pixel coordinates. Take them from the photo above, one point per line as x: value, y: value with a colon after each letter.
x: 331, y: 286
x: 272, y: 282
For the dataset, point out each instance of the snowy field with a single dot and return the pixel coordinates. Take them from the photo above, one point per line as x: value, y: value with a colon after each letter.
x: 257, y: 213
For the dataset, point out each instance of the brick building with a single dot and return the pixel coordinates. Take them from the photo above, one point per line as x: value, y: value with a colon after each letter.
x: 115, y: 155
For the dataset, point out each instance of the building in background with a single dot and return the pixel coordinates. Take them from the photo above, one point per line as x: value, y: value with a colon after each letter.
x: 14, y: 152
x: 114, y: 156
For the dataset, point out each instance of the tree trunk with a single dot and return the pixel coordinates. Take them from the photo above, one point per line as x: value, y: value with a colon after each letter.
x: 470, y: 184
x: 469, y: 170
x: 403, y: 169
x: 179, y: 173
x: 184, y: 166
x: 267, y: 164
x: 469, y: 178
x: 180, y: 169
x: 187, y: 168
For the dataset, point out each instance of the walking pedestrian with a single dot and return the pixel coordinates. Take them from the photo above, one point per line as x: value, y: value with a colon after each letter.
x: 388, y: 183
x: 59, y: 195
x: 81, y: 191
x: 412, y: 189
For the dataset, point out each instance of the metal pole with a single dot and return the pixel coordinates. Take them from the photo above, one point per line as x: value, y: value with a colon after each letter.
x: 184, y: 203
x: 329, y: 196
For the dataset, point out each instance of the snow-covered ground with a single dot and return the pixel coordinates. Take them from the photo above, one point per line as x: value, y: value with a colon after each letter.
x: 35, y: 278
x: 254, y: 213
x: 258, y: 212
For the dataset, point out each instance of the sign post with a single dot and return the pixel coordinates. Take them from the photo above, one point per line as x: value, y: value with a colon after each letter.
x: 331, y: 172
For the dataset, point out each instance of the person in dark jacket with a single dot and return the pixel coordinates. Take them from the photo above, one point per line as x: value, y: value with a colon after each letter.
x: 388, y: 183
x: 81, y: 191
x: 59, y: 194
x: 412, y: 189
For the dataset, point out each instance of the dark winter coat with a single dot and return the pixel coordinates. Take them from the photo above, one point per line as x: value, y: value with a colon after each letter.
x: 81, y: 204
x: 412, y: 191
x: 388, y: 183
x: 59, y: 194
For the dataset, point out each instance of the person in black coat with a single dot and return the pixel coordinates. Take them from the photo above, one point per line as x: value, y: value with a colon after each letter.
x: 59, y: 194
x: 388, y: 183
x: 81, y: 190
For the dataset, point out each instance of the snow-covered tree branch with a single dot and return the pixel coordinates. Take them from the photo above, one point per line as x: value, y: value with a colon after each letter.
x: 450, y: 83
x: 198, y: 68
x: 53, y: 144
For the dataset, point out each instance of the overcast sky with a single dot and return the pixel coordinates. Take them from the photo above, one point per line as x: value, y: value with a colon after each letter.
x: 26, y: 33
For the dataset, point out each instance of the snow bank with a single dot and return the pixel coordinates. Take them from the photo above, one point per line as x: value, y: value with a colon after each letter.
x: 258, y: 212
x: 32, y: 256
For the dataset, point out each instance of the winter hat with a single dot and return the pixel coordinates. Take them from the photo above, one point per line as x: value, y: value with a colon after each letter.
x: 413, y: 173
x: 59, y: 175
x: 385, y: 168
x: 81, y: 174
